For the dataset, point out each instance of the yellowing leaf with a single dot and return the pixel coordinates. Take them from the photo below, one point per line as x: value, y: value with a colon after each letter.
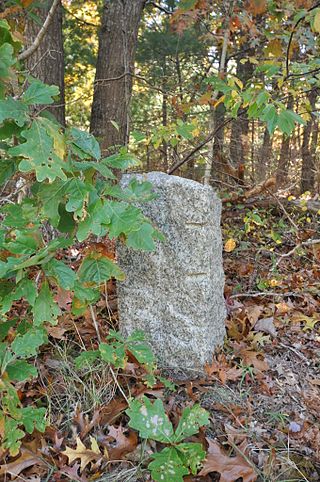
x: 81, y: 452
x: 274, y: 48
x: 229, y: 245
x: 316, y: 22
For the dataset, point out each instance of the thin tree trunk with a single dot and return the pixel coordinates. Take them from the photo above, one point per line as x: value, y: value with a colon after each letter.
x: 284, y: 159
x: 47, y: 62
x: 264, y: 156
x: 214, y: 145
x: 308, y: 149
x: 239, y: 144
x: 115, y: 67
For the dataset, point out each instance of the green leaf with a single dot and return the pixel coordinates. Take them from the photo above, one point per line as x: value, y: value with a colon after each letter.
x: 96, y: 269
x: 191, y: 420
x: 150, y: 420
x: 8, y: 167
x: 124, y: 218
x: 39, y: 153
x: 122, y: 160
x: 64, y: 275
x: 86, y: 358
x: 33, y: 418
x: 40, y: 93
x: 20, y: 215
x: 45, y: 308
x: 192, y: 454
x: 270, y: 116
x: 86, y: 142
x: 135, y: 191
x: 15, y: 110
x: 95, y: 222
x: 27, y: 345
x: 287, y: 119
x: 5, y: 327
x: 167, y: 466
x: 77, y: 191
x: 142, y: 239
x: 143, y: 353
x: 6, y: 60
x: 185, y: 130
x: 50, y: 196
x: 114, y: 354
x: 98, y: 166
x: 12, y: 435
x: 20, y: 370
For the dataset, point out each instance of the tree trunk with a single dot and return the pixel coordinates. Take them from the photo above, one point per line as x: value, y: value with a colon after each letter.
x: 284, y: 159
x: 47, y: 62
x: 264, y: 157
x: 115, y: 66
x: 308, y: 149
x: 239, y: 145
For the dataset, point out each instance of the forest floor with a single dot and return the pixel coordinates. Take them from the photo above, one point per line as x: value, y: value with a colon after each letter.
x: 262, y: 389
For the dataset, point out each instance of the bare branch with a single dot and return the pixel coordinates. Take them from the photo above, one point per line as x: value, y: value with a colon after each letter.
x: 25, y: 54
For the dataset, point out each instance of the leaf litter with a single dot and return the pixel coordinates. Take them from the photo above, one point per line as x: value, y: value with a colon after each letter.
x: 262, y: 388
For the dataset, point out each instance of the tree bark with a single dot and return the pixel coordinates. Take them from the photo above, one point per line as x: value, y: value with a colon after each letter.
x: 47, y: 62
x: 308, y: 149
x: 284, y: 159
x: 115, y: 67
x: 264, y: 156
x: 239, y: 145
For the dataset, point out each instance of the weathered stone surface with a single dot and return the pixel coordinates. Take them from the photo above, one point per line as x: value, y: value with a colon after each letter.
x: 175, y: 294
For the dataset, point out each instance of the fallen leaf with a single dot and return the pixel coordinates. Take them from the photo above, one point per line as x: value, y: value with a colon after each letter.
x: 253, y: 312
x: 118, y: 443
x: 229, y: 245
x: 81, y: 452
x: 252, y: 358
x: 26, y: 459
x: 72, y: 473
x: 229, y: 468
x: 266, y: 325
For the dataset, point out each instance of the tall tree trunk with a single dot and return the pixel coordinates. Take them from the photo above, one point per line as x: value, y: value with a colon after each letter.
x: 115, y: 66
x: 214, y: 145
x: 308, y: 149
x: 264, y: 157
x: 47, y: 62
x: 284, y: 159
x: 239, y: 143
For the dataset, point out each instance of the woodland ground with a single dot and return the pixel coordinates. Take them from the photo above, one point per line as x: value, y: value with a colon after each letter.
x: 262, y: 389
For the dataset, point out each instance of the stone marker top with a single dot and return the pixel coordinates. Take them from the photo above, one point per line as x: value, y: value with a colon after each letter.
x: 198, y: 200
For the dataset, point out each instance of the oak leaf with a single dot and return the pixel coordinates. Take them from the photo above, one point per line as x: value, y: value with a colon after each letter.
x: 26, y: 459
x: 229, y: 468
x: 81, y: 452
x: 117, y: 443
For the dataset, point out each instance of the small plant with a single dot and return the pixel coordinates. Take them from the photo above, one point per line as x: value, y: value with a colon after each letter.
x: 73, y: 193
x: 178, y: 458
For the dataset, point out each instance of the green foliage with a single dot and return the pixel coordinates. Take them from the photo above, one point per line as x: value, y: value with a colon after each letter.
x: 117, y: 349
x: 66, y: 193
x: 179, y: 459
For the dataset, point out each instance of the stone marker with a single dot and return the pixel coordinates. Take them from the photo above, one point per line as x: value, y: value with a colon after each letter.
x: 175, y: 294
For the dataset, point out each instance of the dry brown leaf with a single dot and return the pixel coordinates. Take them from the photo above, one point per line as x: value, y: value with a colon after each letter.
x: 257, y: 7
x: 26, y: 459
x: 81, y: 452
x: 253, y: 313
x: 229, y: 468
x: 252, y: 358
x: 266, y: 325
x: 117, y: 443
